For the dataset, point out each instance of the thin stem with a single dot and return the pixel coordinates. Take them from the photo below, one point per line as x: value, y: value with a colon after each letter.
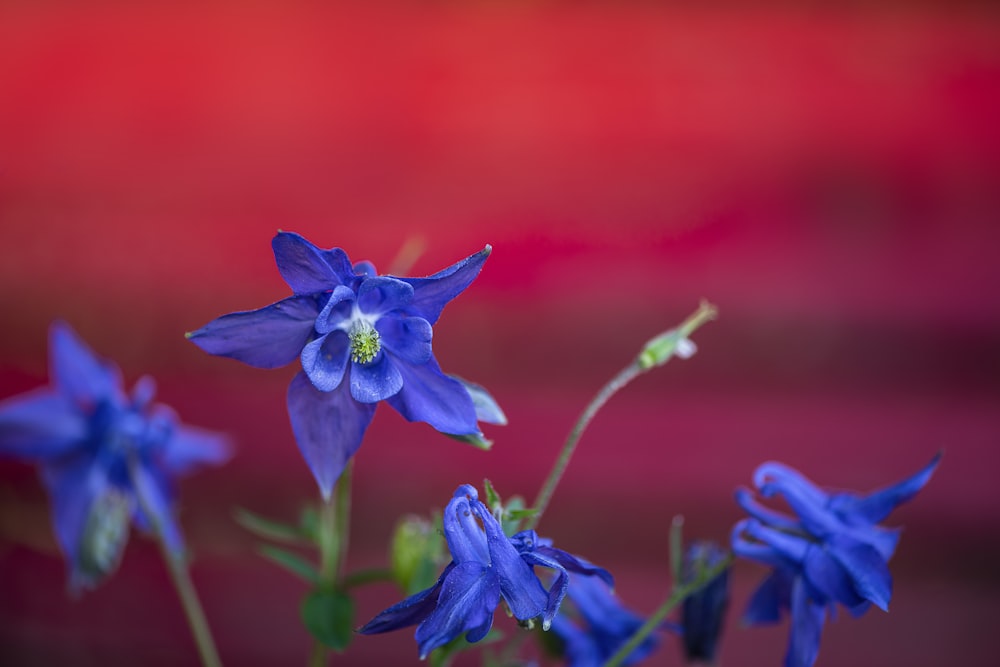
x: 676, y: 596
x: 334, y: 526
x: 179, y: 575
x: 623, y: 377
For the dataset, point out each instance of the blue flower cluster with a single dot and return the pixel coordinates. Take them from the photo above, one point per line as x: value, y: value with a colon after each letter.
x: 106, y: 457
x: 832, y: 551
x: 486, y: 566
x: 361, y: 338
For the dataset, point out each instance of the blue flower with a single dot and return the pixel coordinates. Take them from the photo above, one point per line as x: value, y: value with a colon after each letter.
x: 603, y: 625
x: 99, y: 450
x: 832, y: 551
x: 703, y: 613
x: 361, y: 338
x: 487, y: 566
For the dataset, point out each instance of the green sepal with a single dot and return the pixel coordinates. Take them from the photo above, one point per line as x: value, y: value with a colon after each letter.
x: 416, y: 554
x: 492, y: 497
x: 269, y: 529
x: 329, y: 617
x: 292, y: 562
x: 477, y: 440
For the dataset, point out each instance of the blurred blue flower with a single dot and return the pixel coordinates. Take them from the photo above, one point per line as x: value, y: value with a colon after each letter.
x: 703, y: 613
x: 602, y: 625
x: 832, y: 551
x: 361, y: 338
x: 486, y: 566
x: 98, y: 450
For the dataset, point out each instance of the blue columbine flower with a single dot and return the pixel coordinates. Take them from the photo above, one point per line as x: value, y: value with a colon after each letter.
x: 703, y: 613
x: 486, y: 566
x: 361, y: 338
x: 98, y: 448
x: 603, y: 625
x: 832, y: 551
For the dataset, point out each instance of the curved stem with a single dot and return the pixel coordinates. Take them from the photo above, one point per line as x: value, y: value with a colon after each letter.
x: 179, y: 576
x: 676, y: 596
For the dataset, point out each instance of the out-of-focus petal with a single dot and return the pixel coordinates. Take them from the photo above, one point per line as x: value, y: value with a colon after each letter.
x: 325, y: 360
x: 487, y: 409
x: 827, y: 581
x: 866, y: 568
x: 430, y: 396
x: 468, y: 598
x: 772, y: 596
x: 39, y: 425
x: 877, y: 505
x: 79, y: 373
x: 306, y: 268
x: 375, y: 381
x: 807, y: 626
x: 328, y: 427
x: 408, y: 338
x: 430, y: 294
x: 155, y: 500
x: 269, y: 337
x: 191, y: 447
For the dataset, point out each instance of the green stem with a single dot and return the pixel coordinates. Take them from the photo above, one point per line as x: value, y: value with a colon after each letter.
x: 179, y: 576
x: 655, y: 353
x: 676, y: 596
x: 334, y: 528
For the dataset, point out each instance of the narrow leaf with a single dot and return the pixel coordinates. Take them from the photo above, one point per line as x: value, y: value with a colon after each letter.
x: 266, y: 528
x: 292, y: 562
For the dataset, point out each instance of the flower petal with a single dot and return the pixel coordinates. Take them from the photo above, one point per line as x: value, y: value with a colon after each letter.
x: 325, y: 360
x: 40, y: 424
x: 430, y: 396
x: 806, y: 628
x: 383, y: 294
x: 408, y: 338
x: 468, y: 598
x: 338, y: 308
x: 410, y: 611
x: 466, y: 540
x: 867, y: 569
x: 190, y: 448
x: 827, y: 580
x: 876, y: 506
x: 79, y: 373
x: 328, y: 427
x: 306, y: 268
x: 154, y: 493
x: 269, y: 337
x: 522, y: 590
x: 773, y: 595
x: 430, y: 294
x: 487, y: 409
x: 375, y: 381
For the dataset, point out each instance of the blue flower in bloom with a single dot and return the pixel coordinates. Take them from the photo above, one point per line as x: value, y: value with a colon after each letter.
x: 703, y: 613
x: 99, y: 451
x: 361, y: 338
x: 603, y: 625
x: 486, y: 566
x: 832, y: 551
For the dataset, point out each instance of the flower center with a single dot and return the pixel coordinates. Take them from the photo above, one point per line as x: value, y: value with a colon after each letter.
x: 365, y: 342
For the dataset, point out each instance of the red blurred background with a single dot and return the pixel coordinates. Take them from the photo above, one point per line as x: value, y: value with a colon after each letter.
x: 830, y: 177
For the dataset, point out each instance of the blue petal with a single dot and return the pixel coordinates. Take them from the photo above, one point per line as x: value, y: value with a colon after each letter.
x: 466, y: 540
x: 866, y: 568
x: 383, y: 294
x: 325, y: 360
x: 768, y: 473
x: 468, y: 598
x: 522, y: 590
x: 78, y: 372
x: 365, y: 268
x: 338, y: 308
x: 579, y: 648
x: 745, y: 499
x: 773, y: 595
x: 408, y: 338
x: 328, y: 427
x: 40, y: 424
x: 306, y: 268
x: 375, y: 381
x: 487, y: 409
x: 430, y: 294
x: 430, y: 396
x: 190, y: 448
x: 876, y: 506
x: 269, y: 337
x: 806, y: 628
x: 827, y: 580
x: 746, y: 542
x: 410, y: 611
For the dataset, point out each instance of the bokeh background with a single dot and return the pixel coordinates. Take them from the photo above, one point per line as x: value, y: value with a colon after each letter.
x: 829, y: 175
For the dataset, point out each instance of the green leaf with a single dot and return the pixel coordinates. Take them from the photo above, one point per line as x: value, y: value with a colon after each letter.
x: 492, y: 497
x: 329, y: 617
x: 272, y: 530
x: 292, y: 562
